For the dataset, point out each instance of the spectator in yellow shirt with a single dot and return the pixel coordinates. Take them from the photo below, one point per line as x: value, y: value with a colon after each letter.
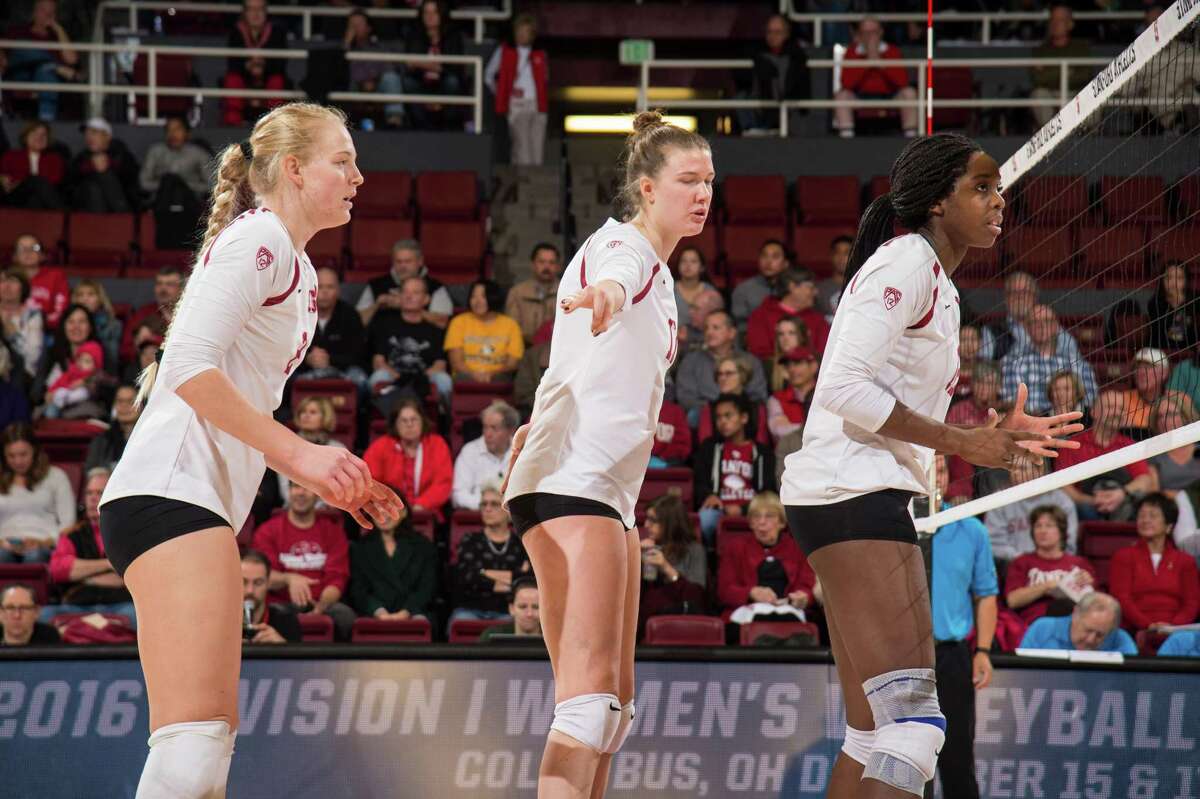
x: 484, y: 345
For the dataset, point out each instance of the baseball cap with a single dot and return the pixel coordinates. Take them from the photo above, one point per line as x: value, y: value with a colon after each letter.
x: 797, y: 354
x: 1151, y: 355
x: 97, y: 123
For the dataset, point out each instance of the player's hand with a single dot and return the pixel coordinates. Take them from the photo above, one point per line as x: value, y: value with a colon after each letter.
x: 604, y: 299
x: 518, y: 443
x: 379, y: 505
x: 1056, y: 427
x: 336, y: 475
x: 993, y: 448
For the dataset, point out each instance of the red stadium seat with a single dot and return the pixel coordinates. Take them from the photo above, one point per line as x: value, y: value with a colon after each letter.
x: 461, y: 523
x: 1115, y: 255
x: 447, y: 195
x: 66, y: 440
x: 811, y: 245
x: 1099, y: 541
x: 33, y: 575
x: 780, y: 629
x: 979, y: 266
x: 454, y: 251
x: 1185, y: 199
x: 742, y: 243
x: 755, y: 199
x: 1174, y: 244
x: 672, y: 630
x: 422, y: 522
x: 150, y: 258
x: 729, y: 527
x: 468, y: 400
x: 674, y: 480
x: 316, y: 627
x: 391, y: 631
x: 74, y: 472
x: 1136, y: 199
x: 100, y: 242
x: 705, y: 242
x: 384, y: 195
x: 50, y: 227
x: 342, y: 394
x: 953, y: 83
x: 1148, y: 642
x: 1055, y: 199
x: 371, y: 241
x: 1039, y: 250
x: 327, y: 248
x: 880, y: 184
x: 828, y: 199
x: 467, y: 631
x: 170, y: 71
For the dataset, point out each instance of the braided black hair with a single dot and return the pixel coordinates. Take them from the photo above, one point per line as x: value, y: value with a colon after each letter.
x: 924, y: 173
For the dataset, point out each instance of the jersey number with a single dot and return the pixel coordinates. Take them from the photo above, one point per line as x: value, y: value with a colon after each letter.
x: 295, y: 359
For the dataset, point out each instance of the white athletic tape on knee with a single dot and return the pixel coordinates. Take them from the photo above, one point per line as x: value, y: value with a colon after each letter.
x: 591, y: 719
x: 188, y: 760
x: 858, y: 744
x: 623, y: 727
x: 909, y: 728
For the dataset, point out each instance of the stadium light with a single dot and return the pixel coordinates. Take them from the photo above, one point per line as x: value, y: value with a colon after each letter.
x: 616, y: 123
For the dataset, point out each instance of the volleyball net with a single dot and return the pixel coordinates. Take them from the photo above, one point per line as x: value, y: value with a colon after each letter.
x: 1088, y: 296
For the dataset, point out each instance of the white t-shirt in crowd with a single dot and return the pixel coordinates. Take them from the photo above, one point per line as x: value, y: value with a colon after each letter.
x: 894, y: 338
x: 597, y: 406
x: 250, y: 310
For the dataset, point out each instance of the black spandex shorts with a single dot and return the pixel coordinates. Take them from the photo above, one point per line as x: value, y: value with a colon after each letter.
x: 878, y: 516
x: 133, y: 525
x: 530, y: 510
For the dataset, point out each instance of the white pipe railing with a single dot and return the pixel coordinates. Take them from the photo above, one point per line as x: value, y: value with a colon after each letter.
x: 477, y: 16
x: 987, y: 19
x: 644, y: 88
x: 154, y: 91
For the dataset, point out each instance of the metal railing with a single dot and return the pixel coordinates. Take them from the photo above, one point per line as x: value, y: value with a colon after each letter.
x: 644, y: 88
x: 153, y: 91
x: 987, y: 19
x: 479, y: 17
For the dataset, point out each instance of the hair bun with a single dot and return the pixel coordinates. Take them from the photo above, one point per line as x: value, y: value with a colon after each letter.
x: 647, y: 121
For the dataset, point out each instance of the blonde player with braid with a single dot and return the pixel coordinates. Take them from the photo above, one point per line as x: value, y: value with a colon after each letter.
x: 195, y: 459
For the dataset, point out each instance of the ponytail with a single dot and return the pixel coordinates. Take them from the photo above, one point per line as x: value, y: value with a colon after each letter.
x: 876, y: 226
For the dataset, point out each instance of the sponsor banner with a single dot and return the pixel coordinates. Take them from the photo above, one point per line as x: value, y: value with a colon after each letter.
x: 401, y: 729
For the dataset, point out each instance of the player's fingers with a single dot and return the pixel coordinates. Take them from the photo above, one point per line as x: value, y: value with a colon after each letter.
x: 360, y: 519
x: 1022, y: 395
x: 1065, y: 430
x: 600, y: 313
x: 993, y: 418
x: 576, y: 300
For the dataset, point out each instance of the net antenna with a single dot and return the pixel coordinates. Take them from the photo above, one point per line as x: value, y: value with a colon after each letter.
x: 1102, y: 228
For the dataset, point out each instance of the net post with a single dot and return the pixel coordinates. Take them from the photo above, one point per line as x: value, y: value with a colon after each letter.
x: 929, y: 68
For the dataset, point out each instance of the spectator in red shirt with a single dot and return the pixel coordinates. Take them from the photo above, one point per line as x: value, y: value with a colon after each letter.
x: 254, y: 31
x: 48, y: 288
x: 1033, y: 578
x: 310, y: 560
x: 731, y: 376
x: 1106, y: 496
x: 873, y: 83
x: 42, y: 66
x: 414, y: 458
x: 672, y: 437
x: 787, y: 409
x: 985, y: 394
x: 798, y: 299
x: 730, y: 467
x: 168, y: 287
x: 765, y: 567
x: 30, y: 176
x: 1155, y: 583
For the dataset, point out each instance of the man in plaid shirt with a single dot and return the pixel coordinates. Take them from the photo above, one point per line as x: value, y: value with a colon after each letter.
x: 1040, y: 361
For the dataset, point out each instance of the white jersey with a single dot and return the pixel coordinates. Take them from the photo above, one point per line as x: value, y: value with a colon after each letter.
x: 597, y: 405
x: 894, y: 339
x: 250, y: 310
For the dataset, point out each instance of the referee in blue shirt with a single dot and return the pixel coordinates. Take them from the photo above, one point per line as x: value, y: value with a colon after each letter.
x: 963, y: 597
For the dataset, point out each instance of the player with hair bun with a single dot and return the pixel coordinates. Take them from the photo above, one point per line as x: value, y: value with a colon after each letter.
x: 877, y: 418
x: 197, y: 454
x: 577, y: 467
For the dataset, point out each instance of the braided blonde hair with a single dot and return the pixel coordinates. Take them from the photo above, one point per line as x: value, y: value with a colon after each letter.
x: 290, y: 129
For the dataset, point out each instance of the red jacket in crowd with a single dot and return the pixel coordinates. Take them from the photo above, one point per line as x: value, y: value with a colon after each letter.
x: 1170, y: 593
x: 507, y: 77
x: 425, y: 480
x: 64, y: 555
x: 16, y: 164
x: 760, y: 329
x: 321, y: 552
x: 49, y: 292
x: 873, y: 80
x: 739, y: 559
x: 672, y: 437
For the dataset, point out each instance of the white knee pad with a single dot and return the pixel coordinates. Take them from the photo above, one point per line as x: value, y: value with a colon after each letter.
x: 623, y: 727
x: 858, y: 744
x: 591, y: 719
x: 189, y: 760
x: 909, y: 728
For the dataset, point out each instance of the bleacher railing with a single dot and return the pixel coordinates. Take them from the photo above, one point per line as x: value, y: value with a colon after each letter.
x: 478, y: 17
x: 153, y: 91
x: 645, y: 91
x: 988, y: 20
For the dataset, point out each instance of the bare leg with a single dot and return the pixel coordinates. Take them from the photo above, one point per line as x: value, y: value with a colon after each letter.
x: 581, y: 566
x: 625, y: 689
x: 846, y: 778
x: 878, y: 601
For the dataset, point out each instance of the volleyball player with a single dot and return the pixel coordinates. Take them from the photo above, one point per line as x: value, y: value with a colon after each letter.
x: 577, y: 467
x: 197, y: 455
x: 877, y: 418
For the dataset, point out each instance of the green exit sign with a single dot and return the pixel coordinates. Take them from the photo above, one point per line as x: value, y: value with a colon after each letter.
x: 636, y: 51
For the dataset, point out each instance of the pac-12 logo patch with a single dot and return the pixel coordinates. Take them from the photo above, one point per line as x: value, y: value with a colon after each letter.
x: 264, y: 258
x: 891, y: 297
